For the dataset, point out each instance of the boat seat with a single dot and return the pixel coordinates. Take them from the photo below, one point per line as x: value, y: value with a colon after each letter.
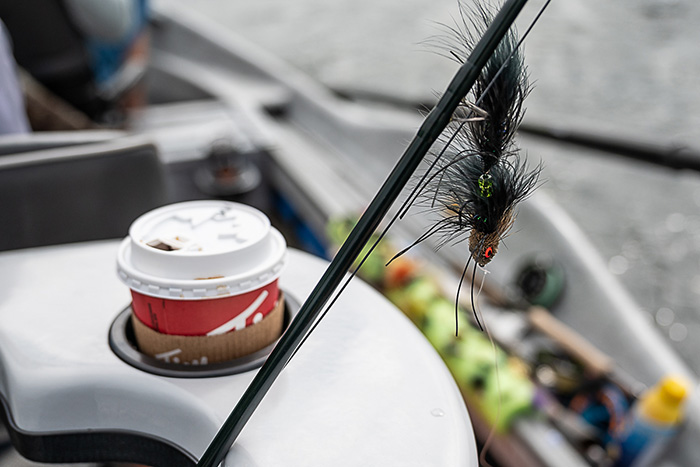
x: 77, y: 193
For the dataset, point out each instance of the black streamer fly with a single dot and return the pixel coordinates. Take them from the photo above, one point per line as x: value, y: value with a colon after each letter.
x: 478, y: 177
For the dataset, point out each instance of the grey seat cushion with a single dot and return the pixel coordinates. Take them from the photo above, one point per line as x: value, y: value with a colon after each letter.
x: 77, y: 193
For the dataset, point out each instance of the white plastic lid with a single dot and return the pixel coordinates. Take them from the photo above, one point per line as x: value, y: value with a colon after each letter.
x: 201, y: 249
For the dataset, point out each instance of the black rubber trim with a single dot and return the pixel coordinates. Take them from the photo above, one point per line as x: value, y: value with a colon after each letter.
x: 94, y: 445
x: 123, y: 344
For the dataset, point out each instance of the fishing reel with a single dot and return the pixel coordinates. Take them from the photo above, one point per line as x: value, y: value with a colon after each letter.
x: 540, y: 281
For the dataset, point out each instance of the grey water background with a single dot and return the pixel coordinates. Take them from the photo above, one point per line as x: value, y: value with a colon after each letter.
x: 628, y: 68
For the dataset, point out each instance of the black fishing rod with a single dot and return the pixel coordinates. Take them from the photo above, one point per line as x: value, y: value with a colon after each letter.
x: 427, y: 134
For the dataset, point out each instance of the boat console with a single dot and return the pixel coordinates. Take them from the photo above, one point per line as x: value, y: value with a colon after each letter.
x: 366, y: 388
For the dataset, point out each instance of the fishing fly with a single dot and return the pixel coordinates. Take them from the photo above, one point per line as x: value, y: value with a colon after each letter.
x: 478, y: 176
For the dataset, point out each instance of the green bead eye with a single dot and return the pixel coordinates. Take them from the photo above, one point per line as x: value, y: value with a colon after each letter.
x: 486, y: 185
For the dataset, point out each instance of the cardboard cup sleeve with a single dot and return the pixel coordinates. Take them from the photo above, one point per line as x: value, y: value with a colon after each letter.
x: 201, y: 350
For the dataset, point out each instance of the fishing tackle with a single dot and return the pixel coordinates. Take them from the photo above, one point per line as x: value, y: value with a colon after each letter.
x: 479, y: 186
x: 478, y: 177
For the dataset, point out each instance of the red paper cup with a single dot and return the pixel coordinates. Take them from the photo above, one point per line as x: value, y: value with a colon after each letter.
x: 202, y: 268
x: 205, y: 317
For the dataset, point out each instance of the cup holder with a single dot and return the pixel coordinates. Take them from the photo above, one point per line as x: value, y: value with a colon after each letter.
x: 123, y: 343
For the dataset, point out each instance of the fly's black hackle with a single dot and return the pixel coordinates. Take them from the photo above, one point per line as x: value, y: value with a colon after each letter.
x: 480, y: 177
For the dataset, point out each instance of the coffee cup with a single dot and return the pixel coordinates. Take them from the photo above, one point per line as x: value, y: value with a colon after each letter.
x: 204, y: 269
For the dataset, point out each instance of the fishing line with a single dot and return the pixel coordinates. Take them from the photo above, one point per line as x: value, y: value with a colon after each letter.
x: 342, y: 288
x: 492, y: 431
x: 484, y: 272
x: 472, y: 295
